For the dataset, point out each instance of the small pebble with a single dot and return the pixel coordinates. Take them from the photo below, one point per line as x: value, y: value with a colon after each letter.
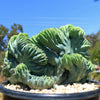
x: 62, y: 89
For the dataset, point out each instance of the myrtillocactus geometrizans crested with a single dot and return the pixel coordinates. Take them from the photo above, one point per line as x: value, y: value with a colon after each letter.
x: 54, y: 56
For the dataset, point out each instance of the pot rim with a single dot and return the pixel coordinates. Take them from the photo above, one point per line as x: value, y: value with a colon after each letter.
x: 40, y: 96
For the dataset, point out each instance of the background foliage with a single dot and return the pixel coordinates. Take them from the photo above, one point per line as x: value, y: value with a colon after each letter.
x: 94, y: 51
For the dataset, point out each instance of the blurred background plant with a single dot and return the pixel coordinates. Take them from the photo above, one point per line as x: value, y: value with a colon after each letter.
x: 94, y: 53
x: 94, y: 50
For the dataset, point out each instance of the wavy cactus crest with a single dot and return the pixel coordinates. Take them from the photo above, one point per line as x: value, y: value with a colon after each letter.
x: 54, y: 56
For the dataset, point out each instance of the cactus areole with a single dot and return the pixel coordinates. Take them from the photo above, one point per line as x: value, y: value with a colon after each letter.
x: 54, y: 56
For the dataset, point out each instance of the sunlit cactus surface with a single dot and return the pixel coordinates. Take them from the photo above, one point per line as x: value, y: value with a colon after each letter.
x: 54, y: 56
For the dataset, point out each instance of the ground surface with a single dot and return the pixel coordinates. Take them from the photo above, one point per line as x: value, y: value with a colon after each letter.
x: 1, y: 80
x: 1, y: 96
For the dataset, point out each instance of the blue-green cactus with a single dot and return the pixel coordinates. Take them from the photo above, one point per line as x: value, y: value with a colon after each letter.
x: 54, y: 56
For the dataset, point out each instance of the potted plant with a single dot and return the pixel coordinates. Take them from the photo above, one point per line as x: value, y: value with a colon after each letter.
x: 54, y: 56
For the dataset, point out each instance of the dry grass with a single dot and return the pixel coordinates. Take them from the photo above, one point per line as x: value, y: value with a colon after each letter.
x: 1, y: 80
x: 1, y: 96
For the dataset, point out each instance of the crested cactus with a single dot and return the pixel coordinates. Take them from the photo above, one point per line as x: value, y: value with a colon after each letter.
x: 54, y: 56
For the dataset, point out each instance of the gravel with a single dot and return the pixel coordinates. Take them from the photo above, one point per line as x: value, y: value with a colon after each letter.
x: 59, y: 89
